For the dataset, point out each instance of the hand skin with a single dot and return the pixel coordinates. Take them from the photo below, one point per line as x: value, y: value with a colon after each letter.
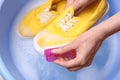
x: 87, y: 44
x: 79, y: 5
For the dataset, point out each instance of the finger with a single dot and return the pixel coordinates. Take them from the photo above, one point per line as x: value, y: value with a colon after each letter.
x: 61, y: 59
x: 93, y: 55
x: 75, y: 68
x: 65, y: 58
x: 78, y: 4
x: 63, y: 49
x: 67, y: 64
x: 69, y: 3
x: 81, y: 5
x: 89, y: 61
x: 77, y: 12
x: 60, y: 62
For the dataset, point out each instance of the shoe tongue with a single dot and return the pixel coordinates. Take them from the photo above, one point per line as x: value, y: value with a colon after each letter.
x: 49, y: 6
x: 68, y: 10
x: 49, y: 3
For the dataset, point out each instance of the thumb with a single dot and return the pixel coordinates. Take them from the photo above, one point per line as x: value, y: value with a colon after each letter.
x: 63, y: 49
x: 69, y: 3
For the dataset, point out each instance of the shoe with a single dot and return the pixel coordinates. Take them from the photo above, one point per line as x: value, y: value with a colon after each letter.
x: 40, y: 17
x: 68, y: 27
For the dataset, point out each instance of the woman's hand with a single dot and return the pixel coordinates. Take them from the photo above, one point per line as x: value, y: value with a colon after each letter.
x: 85, y: 46
x: 79, y: 5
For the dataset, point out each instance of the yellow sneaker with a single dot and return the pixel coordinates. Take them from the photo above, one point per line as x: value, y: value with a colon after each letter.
x: 68, y: 27
x: 40, y: 17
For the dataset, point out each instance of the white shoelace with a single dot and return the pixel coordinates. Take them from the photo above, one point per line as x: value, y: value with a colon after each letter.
x: 46, y: 15
x: 67, y: 22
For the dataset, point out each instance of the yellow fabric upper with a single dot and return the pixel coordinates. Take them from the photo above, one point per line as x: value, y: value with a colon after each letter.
x: 40, y: 17
x: 68, y: 27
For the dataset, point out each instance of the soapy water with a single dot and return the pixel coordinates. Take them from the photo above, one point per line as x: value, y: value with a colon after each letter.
x: 33, y: 66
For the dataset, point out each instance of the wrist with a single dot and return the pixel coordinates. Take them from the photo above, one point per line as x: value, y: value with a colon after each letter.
x: 99, y: 33
x: 112, y: 24
x: 107, y: 28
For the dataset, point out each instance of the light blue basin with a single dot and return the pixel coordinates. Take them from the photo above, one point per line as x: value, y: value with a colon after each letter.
x: 19, y: 61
